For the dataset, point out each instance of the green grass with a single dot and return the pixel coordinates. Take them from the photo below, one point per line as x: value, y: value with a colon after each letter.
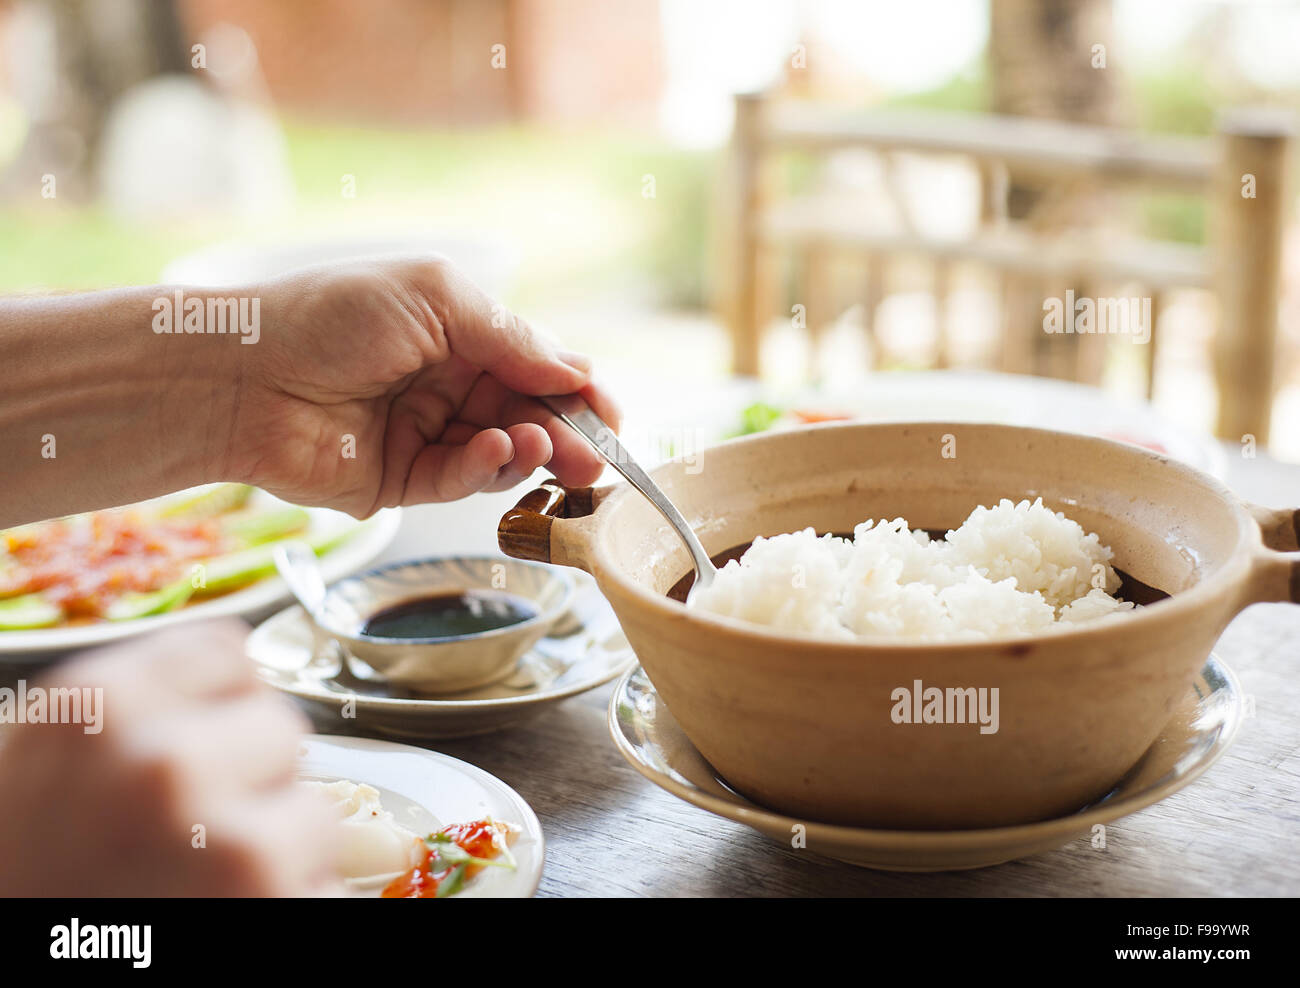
x: 56, y: 248
x: 570, y: 205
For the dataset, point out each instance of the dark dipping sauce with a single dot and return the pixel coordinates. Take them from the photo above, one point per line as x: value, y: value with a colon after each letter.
x: 1130, y: 587
x: 450, y: 615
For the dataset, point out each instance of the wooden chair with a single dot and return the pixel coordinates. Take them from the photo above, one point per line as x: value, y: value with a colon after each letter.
x: 1240, y: 266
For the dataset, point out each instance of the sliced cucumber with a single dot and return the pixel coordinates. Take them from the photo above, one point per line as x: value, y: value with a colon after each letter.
x: 214, y: 501
x: 236, y: 569
x: 136, y: 605
x: 263, y: 526
x: 33, y: 610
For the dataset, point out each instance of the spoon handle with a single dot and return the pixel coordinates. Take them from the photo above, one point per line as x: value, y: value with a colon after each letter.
x: 298, y: 567
x: 578, y: 416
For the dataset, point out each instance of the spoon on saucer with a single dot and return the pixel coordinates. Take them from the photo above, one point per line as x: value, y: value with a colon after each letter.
x: 299, y: 568
x: 296, y: 563
x: 578, y: 416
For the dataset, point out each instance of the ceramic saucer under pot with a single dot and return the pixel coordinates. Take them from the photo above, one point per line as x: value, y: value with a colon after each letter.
x: 1199, y: 731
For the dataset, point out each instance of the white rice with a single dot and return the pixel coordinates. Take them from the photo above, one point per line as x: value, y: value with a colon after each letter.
x: 1015, y: 569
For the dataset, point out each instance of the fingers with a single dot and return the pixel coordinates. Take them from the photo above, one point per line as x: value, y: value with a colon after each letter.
x: 603, y: 404
x: 572, y: 460
x: 247, y: 743
x: 446, y: 473
x: 492, y: 445
x: 280, y: 844
x: 471, y: 460
x: 224, y: 671
x: 537, y: 436
x: 167, y: 660
x: 189, y: 783
x: 490, y: 336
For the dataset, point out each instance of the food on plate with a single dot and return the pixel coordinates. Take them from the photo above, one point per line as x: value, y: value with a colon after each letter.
x: 761, y: 416
x: 374, y: 849
x: 453, y: 856
x: 372, y: 846
x: 1009, y: 570
x: 131, y: 562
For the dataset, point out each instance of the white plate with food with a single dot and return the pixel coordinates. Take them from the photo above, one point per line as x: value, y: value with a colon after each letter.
x: 88, y: 579
x: 419, y: 824
x: 585, y: 649
x: 744, y: 408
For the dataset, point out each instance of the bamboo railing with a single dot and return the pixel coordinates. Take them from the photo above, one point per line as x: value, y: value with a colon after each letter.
x: 1240, y: 265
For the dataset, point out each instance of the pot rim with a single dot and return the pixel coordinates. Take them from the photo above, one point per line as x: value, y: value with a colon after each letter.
x: 1228, y: 582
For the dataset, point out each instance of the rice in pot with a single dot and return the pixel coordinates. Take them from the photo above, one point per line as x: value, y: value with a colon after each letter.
x: 1014, y: 569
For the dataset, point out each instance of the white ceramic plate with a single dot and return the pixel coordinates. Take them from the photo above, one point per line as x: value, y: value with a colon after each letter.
x: 1200, y: 730
x: 584, y: 649
x: 368, y: 539
x: 1014, y: 399
x: 913, y: 396
x: 426, y: 791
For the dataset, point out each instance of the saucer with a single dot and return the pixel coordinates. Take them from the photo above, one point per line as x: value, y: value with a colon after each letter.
x: 426, y: 791
x: 1199, y: 731
x: 584, y: 649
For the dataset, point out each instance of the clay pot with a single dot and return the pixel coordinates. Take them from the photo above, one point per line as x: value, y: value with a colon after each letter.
x: 804, y: 726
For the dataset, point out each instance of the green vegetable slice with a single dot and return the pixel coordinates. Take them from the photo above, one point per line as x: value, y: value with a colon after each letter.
x: 263, y: 526
x: 215, y: 501
x: 136, y: 605
x: 451, y: 853
x: 32, y: 610
x: 758, y: 417
x: 236, y: 569
x: 453, y: 883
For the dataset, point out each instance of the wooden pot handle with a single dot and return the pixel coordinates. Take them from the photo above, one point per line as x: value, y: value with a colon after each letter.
x: 525, y: 530
x: 1279, y: 529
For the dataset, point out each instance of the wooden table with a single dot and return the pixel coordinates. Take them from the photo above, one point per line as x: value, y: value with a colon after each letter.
x: 609, y: 832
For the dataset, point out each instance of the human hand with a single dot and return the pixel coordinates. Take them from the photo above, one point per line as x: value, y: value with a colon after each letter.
x: 395, y: 382
x: 193, y: 751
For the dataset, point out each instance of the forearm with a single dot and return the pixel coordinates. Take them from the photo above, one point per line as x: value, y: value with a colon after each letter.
x: 98, y: 409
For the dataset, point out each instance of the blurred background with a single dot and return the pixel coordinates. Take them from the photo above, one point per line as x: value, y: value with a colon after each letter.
x: 765, y: 204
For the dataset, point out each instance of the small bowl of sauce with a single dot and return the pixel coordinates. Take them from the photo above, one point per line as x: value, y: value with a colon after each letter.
x: 445, y: 625
x: 450, y: 615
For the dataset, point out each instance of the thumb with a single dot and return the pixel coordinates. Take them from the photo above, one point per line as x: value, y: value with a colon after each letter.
x: 488, y: 335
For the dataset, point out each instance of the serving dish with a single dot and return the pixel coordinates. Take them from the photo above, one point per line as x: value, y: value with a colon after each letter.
x: 1003, y: 399
x: 1199, y: 732
x: 802, y: 726
x: 425, y: 791
x: 353, y: 545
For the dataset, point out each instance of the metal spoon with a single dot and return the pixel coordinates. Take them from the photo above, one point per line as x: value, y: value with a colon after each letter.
x: 298, y: 567
x: 578, y: 416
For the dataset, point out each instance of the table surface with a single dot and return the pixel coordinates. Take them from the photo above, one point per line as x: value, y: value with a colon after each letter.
x: 610, y: 832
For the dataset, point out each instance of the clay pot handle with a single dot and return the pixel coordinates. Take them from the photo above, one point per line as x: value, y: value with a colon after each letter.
x: 1279, y: 530
x: 525, y: 530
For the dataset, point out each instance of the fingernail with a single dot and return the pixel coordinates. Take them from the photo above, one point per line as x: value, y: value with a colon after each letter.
x: 578, y: 361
